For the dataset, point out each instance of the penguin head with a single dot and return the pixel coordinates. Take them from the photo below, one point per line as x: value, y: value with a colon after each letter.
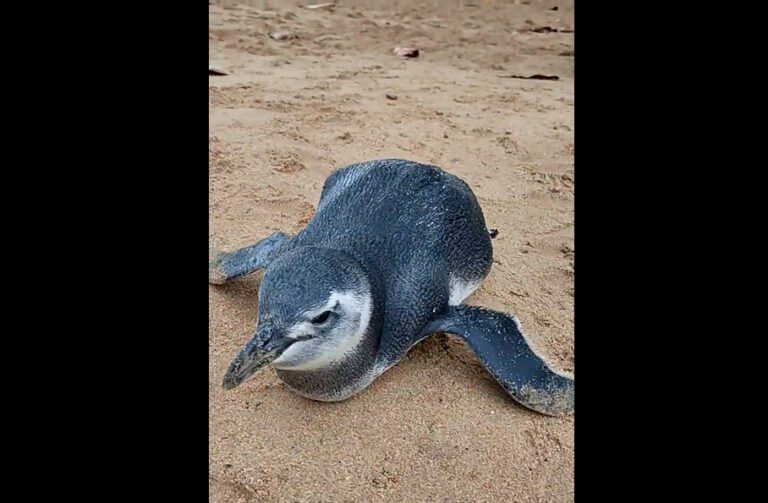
x: 315, y: 306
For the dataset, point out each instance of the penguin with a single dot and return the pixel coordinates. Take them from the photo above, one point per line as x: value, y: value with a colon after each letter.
x: 393, y: 250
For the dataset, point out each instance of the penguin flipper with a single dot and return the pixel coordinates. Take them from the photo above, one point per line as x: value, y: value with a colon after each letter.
x: 501, y: 347
x: 224, y: 266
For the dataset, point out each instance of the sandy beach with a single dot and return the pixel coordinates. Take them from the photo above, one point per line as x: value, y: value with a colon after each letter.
x: 330, y: 92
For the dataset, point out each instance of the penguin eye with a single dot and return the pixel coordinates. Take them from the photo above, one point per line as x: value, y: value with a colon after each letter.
x: 321, y: 318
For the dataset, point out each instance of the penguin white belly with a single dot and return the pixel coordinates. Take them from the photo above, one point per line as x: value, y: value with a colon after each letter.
x: 459, y: 289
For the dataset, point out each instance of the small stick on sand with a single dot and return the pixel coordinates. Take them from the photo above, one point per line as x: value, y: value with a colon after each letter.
x: 213, y: 70
x: 317, y: 6
x: 531, y: 77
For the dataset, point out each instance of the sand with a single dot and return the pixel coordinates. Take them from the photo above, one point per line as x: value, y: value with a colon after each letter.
x: 436, y: 427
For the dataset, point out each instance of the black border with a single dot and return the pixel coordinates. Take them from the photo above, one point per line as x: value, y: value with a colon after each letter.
x: 131, y: 98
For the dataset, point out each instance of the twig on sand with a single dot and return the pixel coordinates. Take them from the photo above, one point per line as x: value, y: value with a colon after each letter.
x: 531, y: 77
x: 317, y: 6
x: 213, y: 70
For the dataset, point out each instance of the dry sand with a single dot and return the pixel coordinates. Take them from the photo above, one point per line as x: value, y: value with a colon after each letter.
x: 436, y: 427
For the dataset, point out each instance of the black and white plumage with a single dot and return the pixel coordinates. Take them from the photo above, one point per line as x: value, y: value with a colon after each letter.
x: 392, y: 251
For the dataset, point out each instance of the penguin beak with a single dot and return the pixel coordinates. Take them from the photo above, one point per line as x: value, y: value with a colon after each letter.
x: 263, y: 348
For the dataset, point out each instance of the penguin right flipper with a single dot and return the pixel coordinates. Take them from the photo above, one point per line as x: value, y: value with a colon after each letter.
x: 224, y: 266
x: 503, y: 350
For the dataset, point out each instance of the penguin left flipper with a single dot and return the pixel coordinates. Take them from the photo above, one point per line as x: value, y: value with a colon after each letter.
x: 503, y: 350
x: 224, y: 266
